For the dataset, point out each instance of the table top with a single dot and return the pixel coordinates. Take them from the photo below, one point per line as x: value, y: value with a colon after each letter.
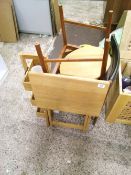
x: 84, y: 69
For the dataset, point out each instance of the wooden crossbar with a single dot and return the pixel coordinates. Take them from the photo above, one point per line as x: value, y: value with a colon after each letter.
x: 73, y: 60
x: 85, y: 25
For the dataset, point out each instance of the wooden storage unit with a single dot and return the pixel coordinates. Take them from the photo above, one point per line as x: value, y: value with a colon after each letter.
x: 118, y: 107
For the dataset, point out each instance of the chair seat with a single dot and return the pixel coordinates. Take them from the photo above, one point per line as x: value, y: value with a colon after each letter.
x: 84, y: 69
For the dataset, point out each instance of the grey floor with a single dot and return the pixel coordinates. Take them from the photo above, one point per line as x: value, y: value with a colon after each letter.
x: 28, y: 147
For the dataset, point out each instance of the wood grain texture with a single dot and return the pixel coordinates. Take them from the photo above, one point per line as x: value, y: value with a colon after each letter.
x: 69, y: 94
x: 105, y: 58
x: 87, y: 69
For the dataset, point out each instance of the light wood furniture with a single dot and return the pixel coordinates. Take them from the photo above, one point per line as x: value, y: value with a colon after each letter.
x: 118, y: 102
x: 67, y: 93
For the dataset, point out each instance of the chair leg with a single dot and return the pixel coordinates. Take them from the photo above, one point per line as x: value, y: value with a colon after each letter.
x: 86, y: 122
x: 47, y: 119
x: 43, y: 113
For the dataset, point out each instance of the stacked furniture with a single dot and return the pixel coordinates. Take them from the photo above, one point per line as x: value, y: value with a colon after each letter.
x: 57, y: 89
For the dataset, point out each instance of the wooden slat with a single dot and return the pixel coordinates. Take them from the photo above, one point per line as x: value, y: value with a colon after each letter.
x: 108, y: 29
x: 62, y: 25
x: 67, y: 125
x: 127, y: 122
x: 56, y: 68
x: 105, y: 58
x: 28, y: 55
x: 84, y: 25
x: 72, y: 60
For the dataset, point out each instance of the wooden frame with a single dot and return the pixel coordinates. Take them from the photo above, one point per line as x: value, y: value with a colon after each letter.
x: 83, y: 126
x: 69, y: 47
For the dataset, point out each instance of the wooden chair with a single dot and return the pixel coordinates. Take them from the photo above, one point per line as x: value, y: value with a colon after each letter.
x: 68, y: 47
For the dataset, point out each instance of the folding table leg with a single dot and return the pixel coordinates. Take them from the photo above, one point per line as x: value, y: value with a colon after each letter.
x: 86, y: 122
x: 50, y: 113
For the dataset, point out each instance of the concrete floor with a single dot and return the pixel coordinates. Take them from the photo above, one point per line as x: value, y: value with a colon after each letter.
x: 28, y: 147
